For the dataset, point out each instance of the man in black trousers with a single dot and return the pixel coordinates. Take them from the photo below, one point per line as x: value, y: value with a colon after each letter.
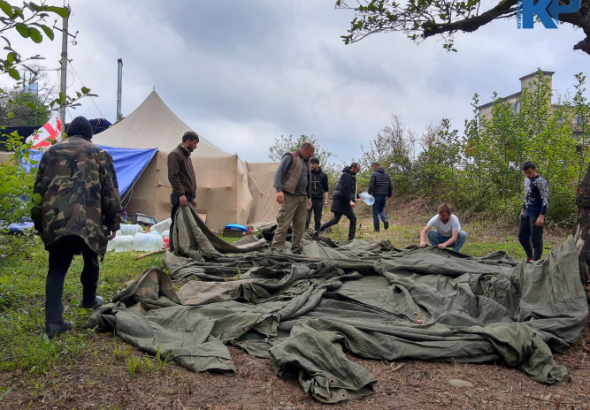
x: 319, y: 194
x: 345, y: 199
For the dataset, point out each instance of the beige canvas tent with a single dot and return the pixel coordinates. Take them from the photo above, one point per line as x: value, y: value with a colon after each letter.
x: 229, y: 189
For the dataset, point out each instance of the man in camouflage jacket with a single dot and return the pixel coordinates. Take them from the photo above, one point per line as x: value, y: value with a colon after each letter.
x: 79, y: 212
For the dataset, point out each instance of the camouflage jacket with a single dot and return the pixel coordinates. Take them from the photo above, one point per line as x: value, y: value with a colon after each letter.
x: 77, y: 182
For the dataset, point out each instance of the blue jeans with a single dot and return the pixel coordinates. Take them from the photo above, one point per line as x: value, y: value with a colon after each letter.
x: 378, y: 207
x: 436, y: 238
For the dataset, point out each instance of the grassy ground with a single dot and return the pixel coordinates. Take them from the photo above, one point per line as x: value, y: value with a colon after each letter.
x: 22, y: 288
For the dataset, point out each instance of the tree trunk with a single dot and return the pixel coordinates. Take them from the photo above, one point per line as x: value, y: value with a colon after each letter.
x: 582, y: 230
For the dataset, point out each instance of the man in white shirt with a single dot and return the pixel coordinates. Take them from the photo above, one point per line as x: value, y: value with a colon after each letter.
x: 448, y: 230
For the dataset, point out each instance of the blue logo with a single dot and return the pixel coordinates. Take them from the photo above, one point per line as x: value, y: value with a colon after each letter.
x: 547, y: 11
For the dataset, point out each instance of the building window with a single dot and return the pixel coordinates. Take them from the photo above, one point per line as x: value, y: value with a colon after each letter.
x: 517, y: 107
x: 579, y: 120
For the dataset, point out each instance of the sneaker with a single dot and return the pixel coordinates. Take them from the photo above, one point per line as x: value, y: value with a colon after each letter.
x: 98, y: 302
x: 386, y: 225
x: 529, y: 260
x: 55, y: 329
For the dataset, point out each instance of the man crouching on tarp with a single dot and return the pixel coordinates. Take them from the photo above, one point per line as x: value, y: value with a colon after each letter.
x: 293, y: 185
x: 80, y: 211
x: 448, y: 232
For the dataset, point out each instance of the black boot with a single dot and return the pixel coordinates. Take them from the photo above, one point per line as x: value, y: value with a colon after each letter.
x: 386, y: 225
x: 54, y: 329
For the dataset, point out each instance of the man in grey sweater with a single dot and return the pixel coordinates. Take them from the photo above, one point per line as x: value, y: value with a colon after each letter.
x: 292, y: 182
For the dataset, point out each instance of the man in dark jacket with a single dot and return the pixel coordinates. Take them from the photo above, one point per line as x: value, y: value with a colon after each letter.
x: 181, y: 176
x: 532, y: 216
x: 293, y: 185
x: 319, y: 194
x: 381, y: 189
x: 344, y: 199
x: 78, y: 211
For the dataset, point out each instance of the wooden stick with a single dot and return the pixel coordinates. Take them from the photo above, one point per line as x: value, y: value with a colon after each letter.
x: 145, y: 255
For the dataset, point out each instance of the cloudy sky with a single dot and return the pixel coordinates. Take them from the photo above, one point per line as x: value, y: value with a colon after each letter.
x: 243, y: 72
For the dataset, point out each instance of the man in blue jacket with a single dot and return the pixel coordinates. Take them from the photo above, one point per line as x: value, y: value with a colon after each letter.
x: 381, y: 188
x: 532, y: 216
x: 345, y: 199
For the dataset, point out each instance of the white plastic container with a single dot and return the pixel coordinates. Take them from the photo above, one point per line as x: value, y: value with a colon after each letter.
x: 145, y: 242
x: 121, y: 243
x: 367, y: 199
x: 161, y: 226
x: 130, y: 229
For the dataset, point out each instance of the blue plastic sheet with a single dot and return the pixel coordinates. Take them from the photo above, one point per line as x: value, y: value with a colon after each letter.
x: 129, y: 163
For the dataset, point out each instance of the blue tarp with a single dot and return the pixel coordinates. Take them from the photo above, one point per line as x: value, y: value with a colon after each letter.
x: 129, y: 163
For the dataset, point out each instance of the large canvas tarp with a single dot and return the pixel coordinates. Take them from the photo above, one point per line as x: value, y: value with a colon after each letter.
x: 227, y: 191
x: 370, y: 298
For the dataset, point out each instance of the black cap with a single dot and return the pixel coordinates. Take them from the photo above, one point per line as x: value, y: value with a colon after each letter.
x: 314, y: 160
x: 80, y: 126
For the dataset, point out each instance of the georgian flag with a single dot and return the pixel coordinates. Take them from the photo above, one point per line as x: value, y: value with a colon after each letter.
x: 46, y: 134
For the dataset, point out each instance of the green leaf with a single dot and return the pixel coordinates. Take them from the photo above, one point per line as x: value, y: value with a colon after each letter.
x: 10, y: 115
x: 19, y: 213
x: 60, y: 11
x: 48, y: 32
x: 11, y: 57
x: 37, y: 199
x: 34, y: 7
x: 13, y: 72
x: 23, y: 30
x: 6, y: 8
x: 85, y: 90
x: 35, y: 35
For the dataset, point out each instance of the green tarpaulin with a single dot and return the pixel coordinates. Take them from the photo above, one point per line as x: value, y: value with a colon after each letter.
x: 372, y: 299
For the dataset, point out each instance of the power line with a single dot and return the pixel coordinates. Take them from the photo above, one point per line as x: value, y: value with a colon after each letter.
x: 94, y: 102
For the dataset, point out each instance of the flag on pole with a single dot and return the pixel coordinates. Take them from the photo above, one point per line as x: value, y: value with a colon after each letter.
x: 48, y: 133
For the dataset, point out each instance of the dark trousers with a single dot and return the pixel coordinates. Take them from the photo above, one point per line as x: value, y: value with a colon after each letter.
x: 61, y: 255
x: 174, y: 199
x: 378, y: 210
x: 349, y: 213
x: 317, y: 205
x: 529, y: 232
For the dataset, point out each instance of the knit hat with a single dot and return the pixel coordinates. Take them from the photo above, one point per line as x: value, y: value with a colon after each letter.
x: 314, y: 160
x: 80, y: 126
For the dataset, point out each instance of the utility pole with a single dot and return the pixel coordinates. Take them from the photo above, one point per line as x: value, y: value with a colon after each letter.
x: 64, y: 68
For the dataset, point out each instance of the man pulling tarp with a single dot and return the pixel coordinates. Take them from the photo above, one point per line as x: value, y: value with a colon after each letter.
x: 373, y: 299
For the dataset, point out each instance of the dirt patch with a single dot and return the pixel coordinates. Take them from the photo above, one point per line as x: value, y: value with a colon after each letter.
x: 99, y: 380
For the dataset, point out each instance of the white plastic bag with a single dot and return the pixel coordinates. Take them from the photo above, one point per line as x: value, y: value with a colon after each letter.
x: 130, y: 229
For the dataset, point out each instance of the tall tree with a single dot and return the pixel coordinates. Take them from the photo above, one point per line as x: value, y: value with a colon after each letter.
x: 283, y: 144
x: 420, y: 19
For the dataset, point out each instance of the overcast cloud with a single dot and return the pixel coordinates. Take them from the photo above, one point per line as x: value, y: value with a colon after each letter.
x: 242, y: 73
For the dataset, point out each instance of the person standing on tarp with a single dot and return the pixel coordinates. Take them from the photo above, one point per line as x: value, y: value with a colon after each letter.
x: 77, y: 211
x: 181, y: 176
x: 293, y: 185
x: 381, y: 188
x: 448, y: 232
x: 345, y: 199
x: 319, y: 194
x: 532, y: 216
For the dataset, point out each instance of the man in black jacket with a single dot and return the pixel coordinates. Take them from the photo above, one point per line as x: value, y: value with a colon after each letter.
x: 319, y: 193
x: 381, y: 188
x: 345, y: 199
